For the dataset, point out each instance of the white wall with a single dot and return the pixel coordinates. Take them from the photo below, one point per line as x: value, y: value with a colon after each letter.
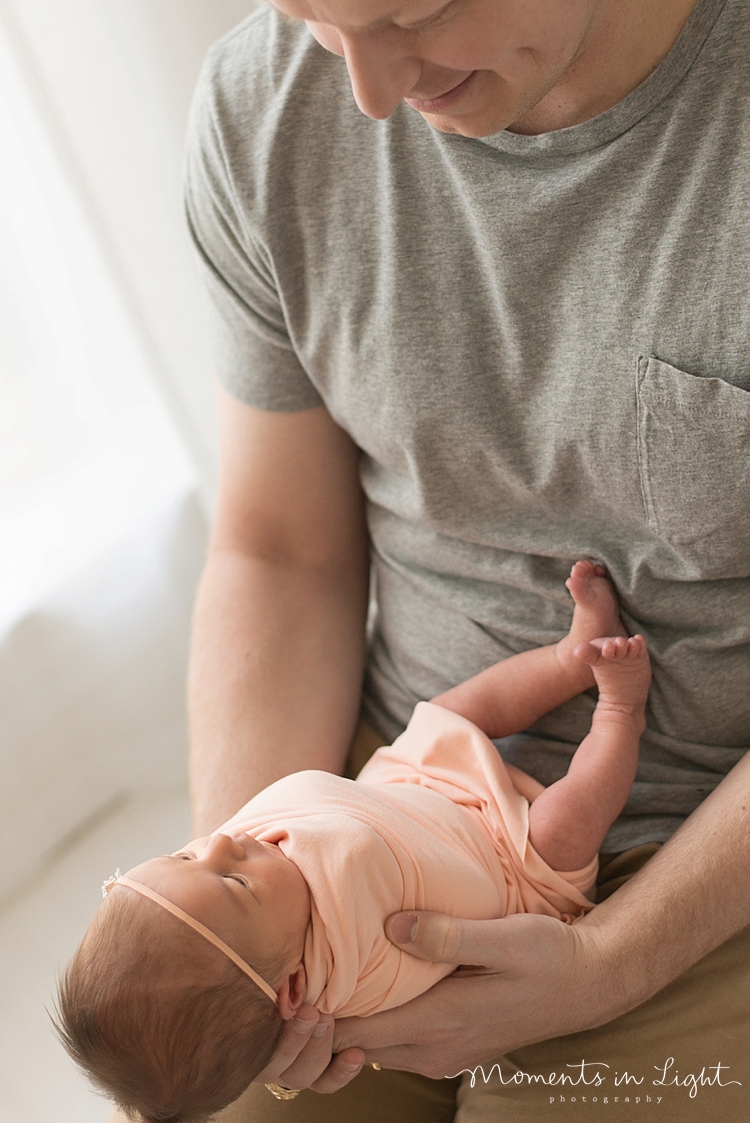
x: 101, y: 534
x: 92, y: 688
x: 112, y: 80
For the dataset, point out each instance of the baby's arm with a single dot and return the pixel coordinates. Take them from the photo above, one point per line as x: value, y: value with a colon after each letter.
x: 513, y: 694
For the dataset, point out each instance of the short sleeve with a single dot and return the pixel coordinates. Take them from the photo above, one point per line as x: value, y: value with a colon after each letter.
x: 253, y: 354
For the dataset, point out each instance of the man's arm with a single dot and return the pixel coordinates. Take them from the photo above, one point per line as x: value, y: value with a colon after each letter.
x: 551, y: 979
x: 547, y: 979
x: 278, y: 640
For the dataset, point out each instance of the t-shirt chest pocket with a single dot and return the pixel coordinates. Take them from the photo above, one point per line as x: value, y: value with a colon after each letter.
x: 694, y: 466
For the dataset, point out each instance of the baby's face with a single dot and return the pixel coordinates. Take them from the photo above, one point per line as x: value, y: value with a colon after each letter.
x: 247, y: 892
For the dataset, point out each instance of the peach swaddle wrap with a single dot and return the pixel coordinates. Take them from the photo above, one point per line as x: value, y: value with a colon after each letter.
x: 433, y: 822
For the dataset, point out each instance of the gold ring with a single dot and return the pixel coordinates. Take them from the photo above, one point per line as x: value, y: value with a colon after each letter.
x: 375, y: 1065
x: 282, y: 1093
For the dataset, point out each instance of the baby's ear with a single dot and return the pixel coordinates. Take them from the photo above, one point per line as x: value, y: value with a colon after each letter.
x: 292, y: 991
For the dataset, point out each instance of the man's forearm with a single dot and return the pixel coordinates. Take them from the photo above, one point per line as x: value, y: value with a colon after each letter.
x: 275, y: 675
x: 691, y: 897
x: 549, y: 979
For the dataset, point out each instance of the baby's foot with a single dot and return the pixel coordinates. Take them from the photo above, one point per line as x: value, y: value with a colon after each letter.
x: 596, y: 612
x: 622, y: 671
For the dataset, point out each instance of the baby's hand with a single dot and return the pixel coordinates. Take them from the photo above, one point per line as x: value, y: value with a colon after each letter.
x: 303, y: 1057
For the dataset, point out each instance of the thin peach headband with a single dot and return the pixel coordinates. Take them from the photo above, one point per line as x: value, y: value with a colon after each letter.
x: 196, y: 925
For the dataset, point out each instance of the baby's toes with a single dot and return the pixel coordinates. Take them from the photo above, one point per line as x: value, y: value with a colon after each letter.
x: 582, y: 568
x: 588, y: 653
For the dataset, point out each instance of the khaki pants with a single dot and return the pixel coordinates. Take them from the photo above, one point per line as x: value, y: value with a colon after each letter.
x: 699, y: 1021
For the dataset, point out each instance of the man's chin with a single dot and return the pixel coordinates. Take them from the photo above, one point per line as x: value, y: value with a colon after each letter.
x: 473, y: 125
x: 491, y: 106
x: 494, y: 108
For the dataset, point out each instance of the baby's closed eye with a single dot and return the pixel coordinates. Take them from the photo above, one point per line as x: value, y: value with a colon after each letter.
x: 237, y: 877
x: 189, y: 855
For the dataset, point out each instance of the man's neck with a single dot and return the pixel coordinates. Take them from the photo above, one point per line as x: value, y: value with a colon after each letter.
x: 626, y: 43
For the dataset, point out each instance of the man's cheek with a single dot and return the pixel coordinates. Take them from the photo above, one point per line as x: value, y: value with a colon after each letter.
x: 328, y: 37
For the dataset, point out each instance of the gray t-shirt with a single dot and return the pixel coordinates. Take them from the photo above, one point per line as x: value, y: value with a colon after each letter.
x: 541, y: 346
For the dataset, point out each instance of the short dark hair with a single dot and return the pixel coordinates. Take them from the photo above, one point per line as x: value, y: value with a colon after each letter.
x: 171, y: 1030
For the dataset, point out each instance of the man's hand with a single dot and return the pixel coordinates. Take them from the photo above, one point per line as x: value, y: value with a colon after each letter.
x: 303, y: 1056
x: 524, y: 985
x: 542, y: 978
x: 532, y: 977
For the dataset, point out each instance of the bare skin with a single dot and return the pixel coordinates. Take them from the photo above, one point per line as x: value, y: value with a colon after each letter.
x: 278, y: 634
x: 569, y: 819
x: 248, y: 893
x: 504, y: 699
x: 601, y: 773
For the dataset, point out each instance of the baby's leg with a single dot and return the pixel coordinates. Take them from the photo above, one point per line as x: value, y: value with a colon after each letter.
x: 596, y: 611
x: 508, y: 697
x: 568, y: 821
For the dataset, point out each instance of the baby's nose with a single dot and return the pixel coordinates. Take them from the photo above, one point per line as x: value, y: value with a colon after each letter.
x: 223, y: 844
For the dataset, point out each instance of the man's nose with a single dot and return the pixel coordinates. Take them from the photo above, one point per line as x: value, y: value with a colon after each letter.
x: 381, y: 71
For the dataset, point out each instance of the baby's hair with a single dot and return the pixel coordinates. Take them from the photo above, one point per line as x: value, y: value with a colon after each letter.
x: 167, y: 1027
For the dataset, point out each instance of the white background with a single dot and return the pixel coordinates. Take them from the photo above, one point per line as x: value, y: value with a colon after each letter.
x: 107, y: 463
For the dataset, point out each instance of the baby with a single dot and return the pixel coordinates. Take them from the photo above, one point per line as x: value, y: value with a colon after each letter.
x: 176, y: 997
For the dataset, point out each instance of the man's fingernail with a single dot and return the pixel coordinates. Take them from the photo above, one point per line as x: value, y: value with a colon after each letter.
x: 321, y: 1029
x: 302, y: 1025
x: 352, y: 1068
x: 403, y: 928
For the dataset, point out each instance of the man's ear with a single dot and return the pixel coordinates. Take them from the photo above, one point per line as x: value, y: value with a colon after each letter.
x: 292, y: 991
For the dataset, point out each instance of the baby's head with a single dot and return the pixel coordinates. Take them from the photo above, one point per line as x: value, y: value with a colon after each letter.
x: 162, y: 1020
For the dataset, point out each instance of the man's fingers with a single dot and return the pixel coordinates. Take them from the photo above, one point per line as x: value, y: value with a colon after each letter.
x: 495, y: 945
x: 434, y: 1017
x: 446, y: 939
x: 297, y: 1035
x: 343, y: 1068
x: 303, y: 1055
x: 313, y: 1059
x: 421, y: 1036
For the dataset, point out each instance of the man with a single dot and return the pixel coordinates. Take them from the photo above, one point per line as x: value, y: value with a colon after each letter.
x: 494, y: 321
